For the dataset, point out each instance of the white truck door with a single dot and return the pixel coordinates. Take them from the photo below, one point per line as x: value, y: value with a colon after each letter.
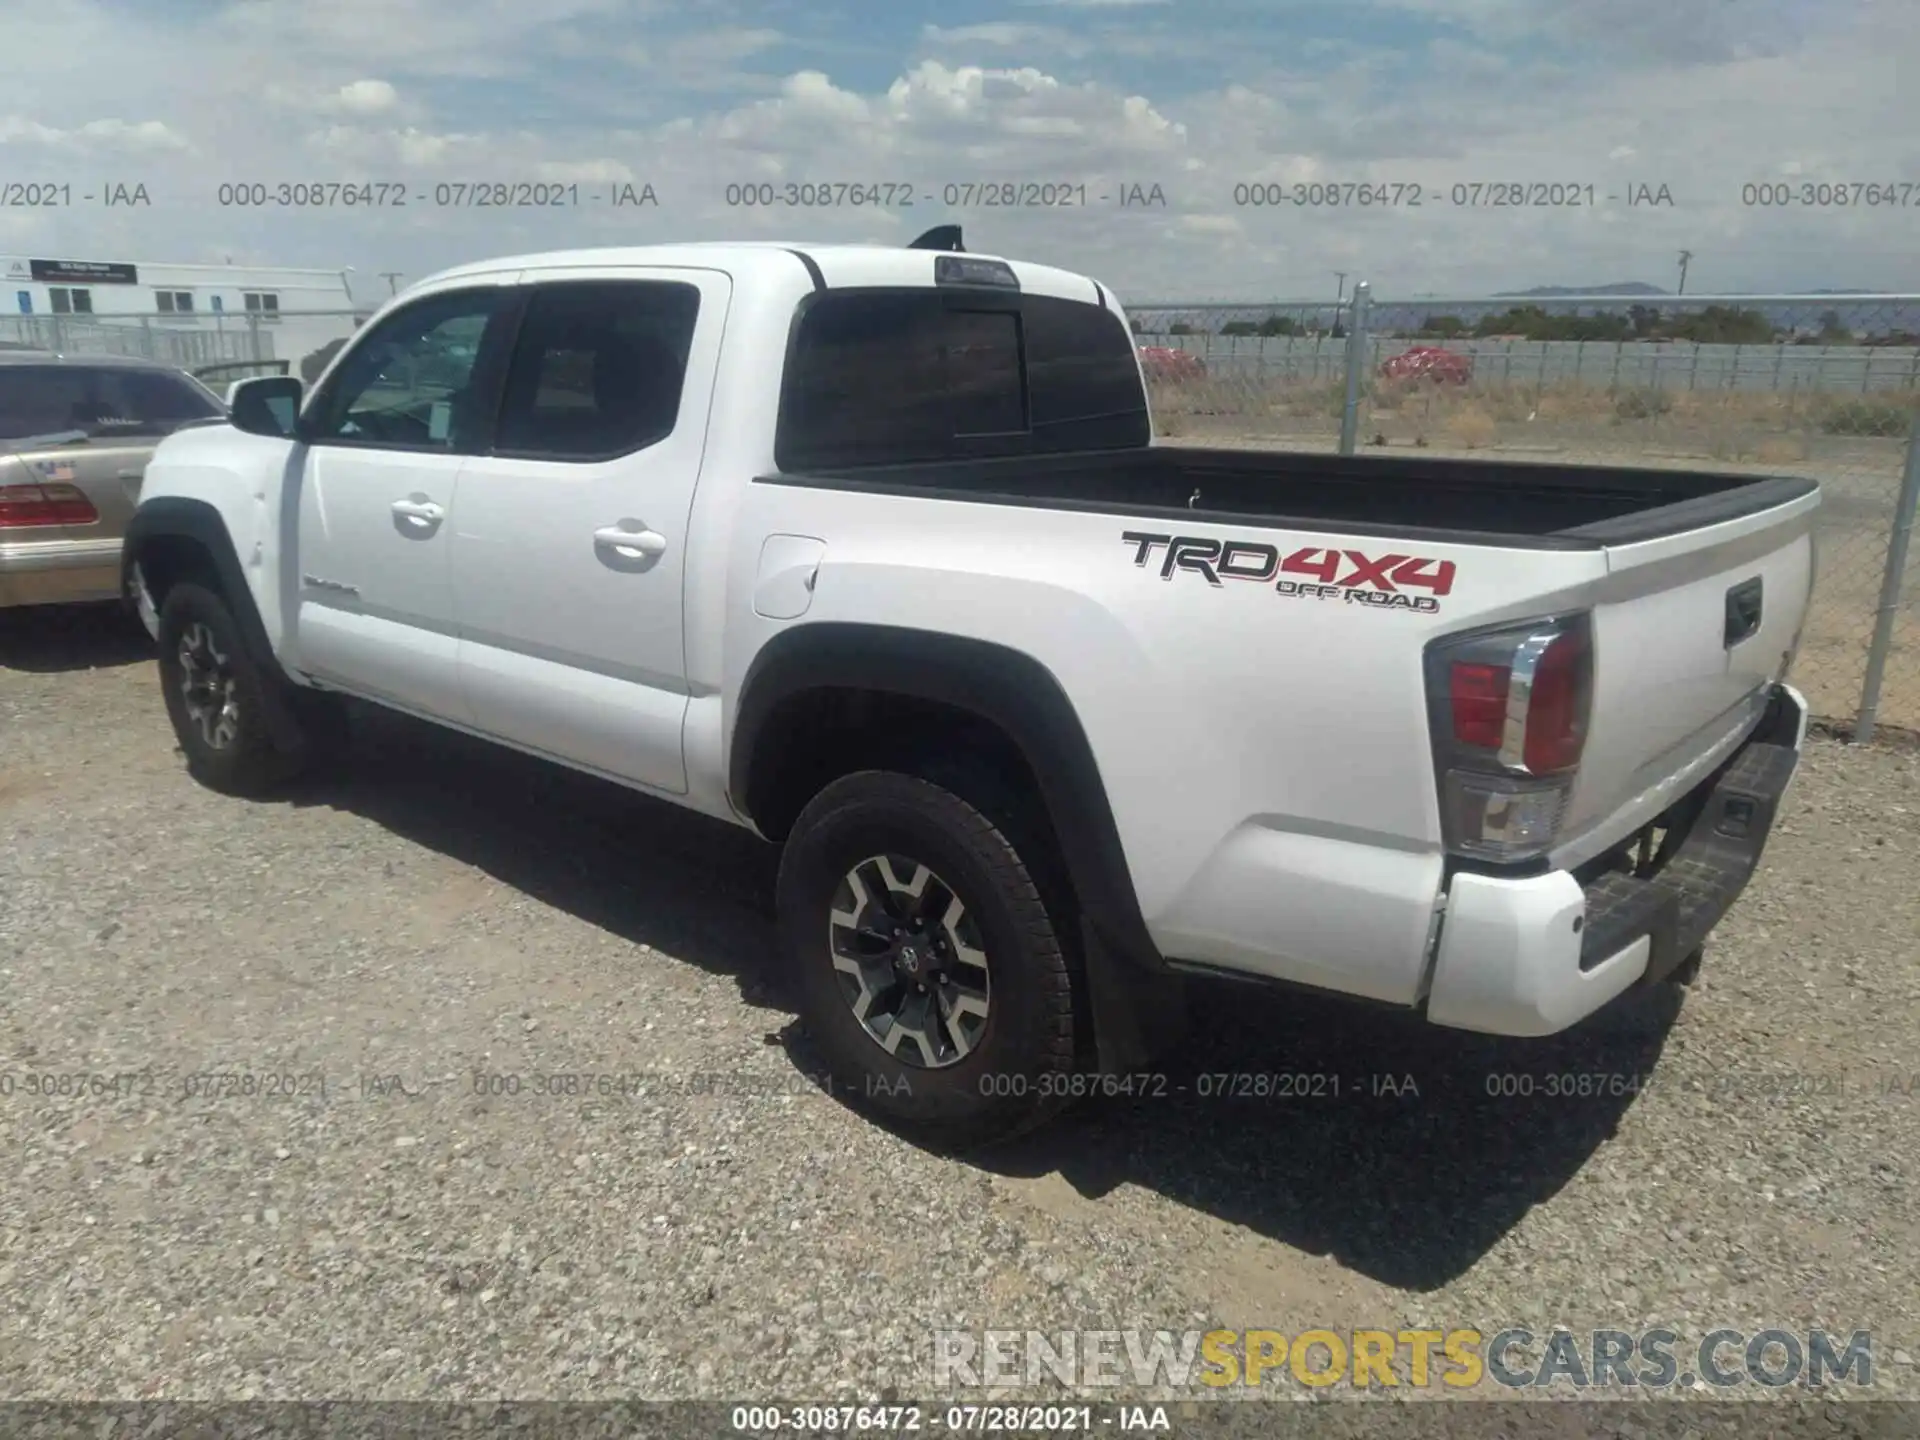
x: 570, y: 539
x: 383, y: 445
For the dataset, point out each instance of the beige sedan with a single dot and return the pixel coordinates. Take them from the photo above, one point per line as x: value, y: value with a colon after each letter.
x: 76, y: 432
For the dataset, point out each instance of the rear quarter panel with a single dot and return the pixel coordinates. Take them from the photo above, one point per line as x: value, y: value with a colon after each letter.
x: 1266, y: 756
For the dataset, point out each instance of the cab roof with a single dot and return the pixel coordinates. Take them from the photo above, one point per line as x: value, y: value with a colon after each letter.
x: 838, y: 265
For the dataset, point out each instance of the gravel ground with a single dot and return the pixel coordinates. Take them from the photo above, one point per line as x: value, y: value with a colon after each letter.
x: 447, y: 909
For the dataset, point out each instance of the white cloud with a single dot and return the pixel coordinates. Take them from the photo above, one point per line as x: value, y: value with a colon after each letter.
x: 996, y: 32
x: 586, y: 172
x: 366, y: 97
x: 631, y: 91
x: 96, y: 137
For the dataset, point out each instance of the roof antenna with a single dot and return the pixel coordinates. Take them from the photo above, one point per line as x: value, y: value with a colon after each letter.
x: 941, y: 237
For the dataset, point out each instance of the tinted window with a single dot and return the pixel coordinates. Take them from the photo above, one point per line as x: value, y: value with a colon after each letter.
x: 879, y: 377
x: 101, y: 400
x: 598, y: 368
x: 411, y: 383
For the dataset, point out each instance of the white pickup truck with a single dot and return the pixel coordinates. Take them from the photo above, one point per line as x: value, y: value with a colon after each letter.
x: 869, y: 549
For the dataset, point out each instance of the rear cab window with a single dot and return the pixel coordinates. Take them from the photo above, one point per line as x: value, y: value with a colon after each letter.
x: 104, y: 401
x: 891, y: 376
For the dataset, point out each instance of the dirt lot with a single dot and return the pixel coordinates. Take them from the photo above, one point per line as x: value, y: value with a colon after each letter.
x: 445, y: 910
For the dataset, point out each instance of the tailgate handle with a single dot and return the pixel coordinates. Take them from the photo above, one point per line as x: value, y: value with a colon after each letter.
x: 1743, y: 611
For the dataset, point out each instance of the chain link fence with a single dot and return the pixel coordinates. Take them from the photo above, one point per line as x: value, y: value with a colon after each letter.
x: 1826, y: 386
x: 304, y: 339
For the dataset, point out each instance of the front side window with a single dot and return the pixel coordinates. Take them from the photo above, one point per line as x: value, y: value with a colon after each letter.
x: 175, y: 302
x: 67, y: 300
x: 598, y: 368
x: 410, y: 384
x: 261, y: 302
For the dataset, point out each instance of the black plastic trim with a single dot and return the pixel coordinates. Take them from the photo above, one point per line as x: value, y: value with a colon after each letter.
x: 179, y: 517
x: 872, y: 482
x: 988, y: 481
x: 813, y: 268
x: 1763, y: 492
x: 1680, y: 903
x: 940, y: 237
x: 1005, y: 687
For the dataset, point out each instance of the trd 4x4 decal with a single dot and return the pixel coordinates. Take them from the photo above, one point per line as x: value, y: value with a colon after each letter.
x: 1346, y: 575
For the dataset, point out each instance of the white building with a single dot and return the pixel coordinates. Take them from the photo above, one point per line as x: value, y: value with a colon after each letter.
x: 187, y: 314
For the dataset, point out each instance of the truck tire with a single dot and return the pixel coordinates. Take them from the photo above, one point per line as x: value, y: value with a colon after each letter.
x: 215, y: 697
x: 931, y: 976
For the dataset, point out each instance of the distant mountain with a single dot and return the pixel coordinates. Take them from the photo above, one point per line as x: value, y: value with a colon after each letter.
x: 1617, y: 287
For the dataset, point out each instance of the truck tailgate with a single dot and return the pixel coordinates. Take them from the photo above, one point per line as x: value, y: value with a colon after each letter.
x: 1689, y: 630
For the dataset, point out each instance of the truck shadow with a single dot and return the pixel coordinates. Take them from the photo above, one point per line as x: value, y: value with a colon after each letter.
x: 56, y: 639
x: 1402, y: 1150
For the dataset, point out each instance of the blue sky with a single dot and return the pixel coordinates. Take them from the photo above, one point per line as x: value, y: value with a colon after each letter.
x: 1701, y: 96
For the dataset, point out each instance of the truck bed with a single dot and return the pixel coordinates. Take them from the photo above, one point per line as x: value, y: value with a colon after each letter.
x: 1508, y: 503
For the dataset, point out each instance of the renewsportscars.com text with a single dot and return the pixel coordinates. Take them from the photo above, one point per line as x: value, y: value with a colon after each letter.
x: 1514, y: 1358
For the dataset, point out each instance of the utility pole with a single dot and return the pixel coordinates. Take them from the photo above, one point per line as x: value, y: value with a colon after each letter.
x: 1339, y: 297
x: 1685, y: 256
x: 392, y: 276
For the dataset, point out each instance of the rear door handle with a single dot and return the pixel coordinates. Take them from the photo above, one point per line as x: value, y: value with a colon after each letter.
x: 630, y: 539
x: 417, y: 517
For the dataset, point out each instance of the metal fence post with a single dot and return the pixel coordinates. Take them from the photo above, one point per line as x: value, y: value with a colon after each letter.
x: 1356, y: 364
x: 1891, y: 583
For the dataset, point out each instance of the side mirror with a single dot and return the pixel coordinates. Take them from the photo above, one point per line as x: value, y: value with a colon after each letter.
x: 265, y: 405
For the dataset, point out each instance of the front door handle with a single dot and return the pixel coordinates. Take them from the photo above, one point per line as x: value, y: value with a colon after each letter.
x: 630, y: 539
x: 417, y: 517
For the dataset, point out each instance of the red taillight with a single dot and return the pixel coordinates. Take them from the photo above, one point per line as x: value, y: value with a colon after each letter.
x: 1556, y: 708
x: 28, y: 505
x: 1505, y: 783
x: 1479, y: 696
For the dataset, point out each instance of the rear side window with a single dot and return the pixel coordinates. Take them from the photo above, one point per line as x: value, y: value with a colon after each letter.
x: 598, y: 368
x: 104, y: 401
x: 889, y: 377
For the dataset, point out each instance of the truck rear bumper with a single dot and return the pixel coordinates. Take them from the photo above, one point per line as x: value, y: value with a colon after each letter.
x: 1535, y: 955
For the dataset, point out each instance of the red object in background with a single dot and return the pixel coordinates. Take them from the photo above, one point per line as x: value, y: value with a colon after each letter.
x: 1164, y: 362
x: 1429, y: 362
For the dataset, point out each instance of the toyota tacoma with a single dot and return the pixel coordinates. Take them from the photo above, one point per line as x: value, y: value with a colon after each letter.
x: 870, y: 550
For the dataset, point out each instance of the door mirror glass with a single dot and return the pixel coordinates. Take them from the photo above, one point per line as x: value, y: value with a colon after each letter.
x: 265, y: 405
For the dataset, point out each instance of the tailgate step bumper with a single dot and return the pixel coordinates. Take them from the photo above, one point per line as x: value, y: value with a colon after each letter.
x: 1677, y: 907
